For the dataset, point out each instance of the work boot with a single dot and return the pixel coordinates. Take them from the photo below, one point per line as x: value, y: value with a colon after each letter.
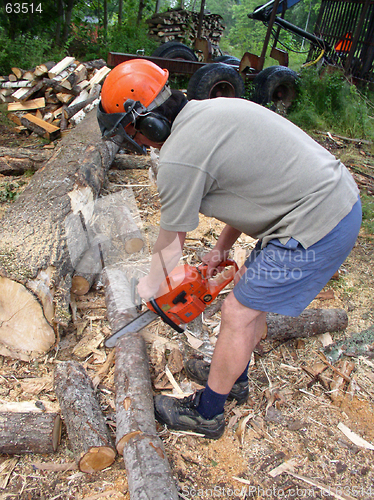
x: 182, y: 415
x: 198, y: 370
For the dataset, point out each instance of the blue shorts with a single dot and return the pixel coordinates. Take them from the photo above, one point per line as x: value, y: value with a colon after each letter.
x: 284, y: 279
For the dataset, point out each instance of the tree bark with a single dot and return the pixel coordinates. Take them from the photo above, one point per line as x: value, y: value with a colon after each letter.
x: 87, y: 431
x: 310, y: 322
x: 35, y: 235
x: 26, y: 429
x: 148, y: 471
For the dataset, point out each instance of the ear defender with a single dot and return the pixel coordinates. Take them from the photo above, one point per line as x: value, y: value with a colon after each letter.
x: 153, y: 126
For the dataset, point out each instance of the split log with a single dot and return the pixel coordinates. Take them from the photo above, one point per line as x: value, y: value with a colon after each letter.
x: 87, y: 431
x: 40, y: 127
x: 25, y: 428
x: 148, y: 471
x: 16, y: 161
x: 56, y: 70
x: 310, y: 322
x: 27, y: 105
x: 35, y: 248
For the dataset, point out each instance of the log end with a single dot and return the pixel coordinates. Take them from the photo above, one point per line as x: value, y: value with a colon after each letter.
x: 134, y: 245
x: 97, y: 458
x: 23, y: 326
x: 80, y: 285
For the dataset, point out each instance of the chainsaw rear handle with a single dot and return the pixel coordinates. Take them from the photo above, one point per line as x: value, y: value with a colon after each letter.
x: 215, y: 285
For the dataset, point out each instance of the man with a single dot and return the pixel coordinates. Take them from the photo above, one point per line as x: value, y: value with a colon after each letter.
x: 254, y: 170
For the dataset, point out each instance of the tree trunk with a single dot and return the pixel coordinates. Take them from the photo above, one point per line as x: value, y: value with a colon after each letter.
x: 39, y: 248
x: 24, y: 428
x: 120, y: 6
x: 87, y: 431
x: 148, y: 471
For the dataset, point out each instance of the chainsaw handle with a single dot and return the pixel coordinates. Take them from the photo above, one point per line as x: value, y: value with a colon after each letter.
x: 215, y: 285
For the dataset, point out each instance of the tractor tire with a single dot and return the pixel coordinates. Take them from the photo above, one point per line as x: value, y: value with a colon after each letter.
x: 277, y: 85
x: 230, y: 60
x: 215, y: 80
x: 175, y: 50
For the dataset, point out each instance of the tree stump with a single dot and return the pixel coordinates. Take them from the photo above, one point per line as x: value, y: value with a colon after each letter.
x: 87, y: 431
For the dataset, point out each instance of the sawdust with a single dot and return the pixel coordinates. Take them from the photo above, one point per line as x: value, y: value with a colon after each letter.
x: 296, y: 418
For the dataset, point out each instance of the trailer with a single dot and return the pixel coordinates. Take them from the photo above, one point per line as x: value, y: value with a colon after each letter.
x: 343, y: 37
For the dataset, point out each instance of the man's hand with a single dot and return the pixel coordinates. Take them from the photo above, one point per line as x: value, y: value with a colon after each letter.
x: 214, y: 259
x: 146, y: 289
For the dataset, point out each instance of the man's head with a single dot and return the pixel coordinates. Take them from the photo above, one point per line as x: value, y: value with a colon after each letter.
x: 133, y: 105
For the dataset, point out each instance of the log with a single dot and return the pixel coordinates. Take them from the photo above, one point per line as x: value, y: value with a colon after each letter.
x: 25, y: 428
x: 40, y: 127
x: 56, y: 70
x: 27, y: 105
x: 310, y: 322
x: 35, y: 249
x: 148, y: 471
x: 16, y: 161
x: 87, y: 431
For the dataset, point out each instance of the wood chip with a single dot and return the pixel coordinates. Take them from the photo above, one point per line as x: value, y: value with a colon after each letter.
x: 289, y: 465
x: 355, y: 438
x: 6, y: 469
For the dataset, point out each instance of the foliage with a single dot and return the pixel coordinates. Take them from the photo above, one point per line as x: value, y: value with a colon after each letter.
x: 367, y: 213
x: 25, y: 51
x: 326, y: 101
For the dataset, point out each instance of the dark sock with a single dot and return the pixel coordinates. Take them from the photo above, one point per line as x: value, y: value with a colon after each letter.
x: 211, y: 403
x: 244, y: 376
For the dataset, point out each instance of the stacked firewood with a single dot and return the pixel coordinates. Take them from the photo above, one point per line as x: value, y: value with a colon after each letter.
x: 52, y: 97
x: 182, y: 26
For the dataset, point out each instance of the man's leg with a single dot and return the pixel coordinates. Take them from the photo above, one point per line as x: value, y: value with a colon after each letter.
x: 241, y: 330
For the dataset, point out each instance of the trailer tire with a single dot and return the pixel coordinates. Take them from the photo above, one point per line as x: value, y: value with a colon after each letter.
x: 215, y: 80
x: 175, y: 50
x: 277, y: 85
x: 231, y: 60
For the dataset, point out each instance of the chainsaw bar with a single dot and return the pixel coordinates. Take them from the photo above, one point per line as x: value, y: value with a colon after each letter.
x: 135, y: 325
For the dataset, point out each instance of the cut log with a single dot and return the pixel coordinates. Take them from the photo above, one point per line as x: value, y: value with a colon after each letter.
x: 79, y: 104
x: 33, y: 234
x: 16, y: 161
x: 56, y: 70
x: 87, y: 431
x: 18, y: 72
x: 99, y: 76
x: 148, y: 471
x: 25, y: 428
x: 27, y: 105
x: 43, y: 69
x: 16, y: 85
x: 310, y: 322
x: 40, y: 127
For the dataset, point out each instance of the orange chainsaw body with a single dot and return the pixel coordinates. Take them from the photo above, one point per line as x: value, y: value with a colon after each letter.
x: 186, y: 291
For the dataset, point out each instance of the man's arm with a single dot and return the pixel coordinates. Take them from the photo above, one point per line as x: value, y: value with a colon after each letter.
x: 165, y: 256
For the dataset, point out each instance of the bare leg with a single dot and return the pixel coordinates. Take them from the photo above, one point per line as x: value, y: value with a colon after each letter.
x: 241, y: 330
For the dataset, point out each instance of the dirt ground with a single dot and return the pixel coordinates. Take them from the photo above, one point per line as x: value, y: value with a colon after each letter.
x: 297, y: 399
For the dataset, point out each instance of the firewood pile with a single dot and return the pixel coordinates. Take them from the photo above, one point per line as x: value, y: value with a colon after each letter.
x: 182, y: 25
x: 52, y: 97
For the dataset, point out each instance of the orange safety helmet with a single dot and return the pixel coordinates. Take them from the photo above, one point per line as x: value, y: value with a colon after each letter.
x: 137, y: 79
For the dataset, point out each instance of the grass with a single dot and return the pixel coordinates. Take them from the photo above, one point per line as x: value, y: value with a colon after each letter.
x: 327, y: 101
x: 367, y: 213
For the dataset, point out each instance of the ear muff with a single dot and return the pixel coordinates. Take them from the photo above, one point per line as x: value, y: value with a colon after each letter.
x: 153, y: 126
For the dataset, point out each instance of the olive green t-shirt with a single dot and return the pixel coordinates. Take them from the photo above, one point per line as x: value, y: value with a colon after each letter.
x: 252, y: 169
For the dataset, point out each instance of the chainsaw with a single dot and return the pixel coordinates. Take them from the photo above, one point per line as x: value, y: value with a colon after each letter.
x: 182, y: 297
